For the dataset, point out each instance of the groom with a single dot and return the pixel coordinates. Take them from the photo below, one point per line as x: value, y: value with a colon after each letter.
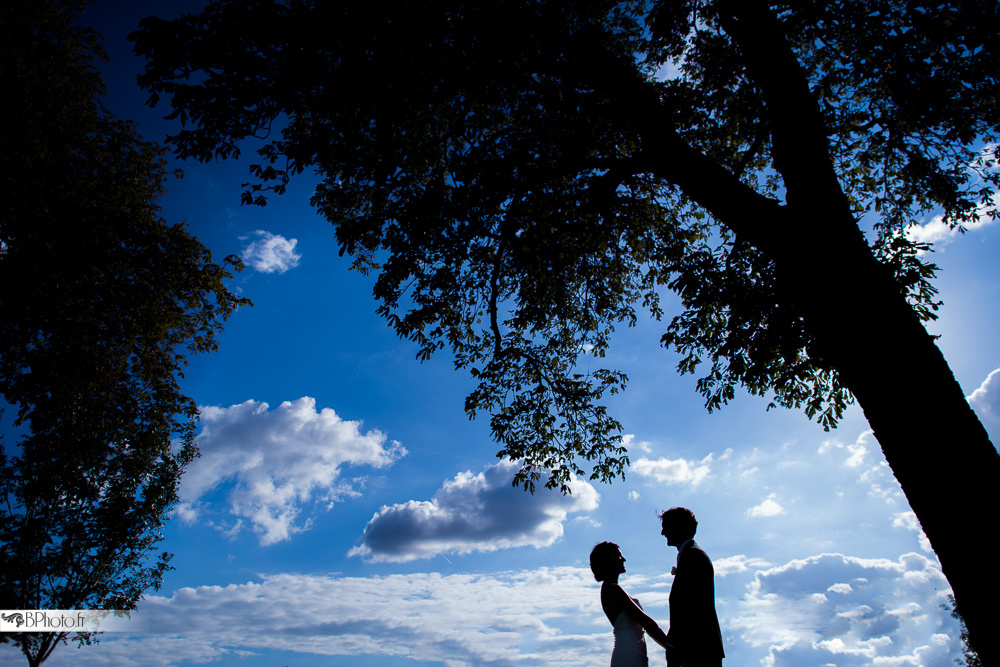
x: 695, y: 638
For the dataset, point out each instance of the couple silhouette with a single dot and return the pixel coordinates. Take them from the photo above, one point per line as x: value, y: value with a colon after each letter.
x: 694, y: 639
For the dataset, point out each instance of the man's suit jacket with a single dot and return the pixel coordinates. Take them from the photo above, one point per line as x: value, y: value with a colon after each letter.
x: 694, y: 625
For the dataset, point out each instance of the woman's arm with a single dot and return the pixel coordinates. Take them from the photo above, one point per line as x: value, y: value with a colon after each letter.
x: 614, y: 598
x: 648, y: 624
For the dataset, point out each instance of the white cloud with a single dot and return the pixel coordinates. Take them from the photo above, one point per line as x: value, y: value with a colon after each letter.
x: 145, y: 651
x: 937, y: 232
x: 679, y: 471
x: 934, y: 231
x: 629, y: 443
x: 829, y: 609
x: 270, y: 253
x: 908, y: 520
x: 856, y: 451
x: 986, y: 398
x: 843, y: 610
x: 739, y: 563
x: 826, y: 609
x: 874, y: 473
x: 277, y: 461
x: 481, y: 512
x: 548, y: 616
x: 769, y: 507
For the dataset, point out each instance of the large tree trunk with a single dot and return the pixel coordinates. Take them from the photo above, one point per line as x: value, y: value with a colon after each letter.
x: 865, y: 329
x: 937, y: 448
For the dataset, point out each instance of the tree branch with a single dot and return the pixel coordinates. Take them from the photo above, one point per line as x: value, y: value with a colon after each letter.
x: 798, y: 132
x: 759, y: 219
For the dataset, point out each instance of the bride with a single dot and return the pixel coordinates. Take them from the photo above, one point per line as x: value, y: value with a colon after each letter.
x: 624, y: 612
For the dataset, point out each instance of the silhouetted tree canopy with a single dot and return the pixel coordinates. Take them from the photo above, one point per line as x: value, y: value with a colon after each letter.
x: 100, y: 301
x: 524, y: 177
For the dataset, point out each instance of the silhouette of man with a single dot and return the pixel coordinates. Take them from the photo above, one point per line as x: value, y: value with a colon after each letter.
x: 694, y: 637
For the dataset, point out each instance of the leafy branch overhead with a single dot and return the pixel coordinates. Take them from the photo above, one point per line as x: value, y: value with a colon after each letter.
x: 523, y: 178
x: 516, y: 175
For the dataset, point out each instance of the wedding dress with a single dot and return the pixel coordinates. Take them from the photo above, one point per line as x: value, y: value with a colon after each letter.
x: 630, y: 643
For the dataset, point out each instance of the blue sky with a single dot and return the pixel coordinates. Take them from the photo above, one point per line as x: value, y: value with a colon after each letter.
x: 346, y: 512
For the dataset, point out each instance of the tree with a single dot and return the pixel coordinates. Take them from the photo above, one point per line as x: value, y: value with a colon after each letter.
x: 98, y: 297
x: 969, y: 657
x: 522, y: 179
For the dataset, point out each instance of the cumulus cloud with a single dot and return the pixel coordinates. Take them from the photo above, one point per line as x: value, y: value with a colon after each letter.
x: 909, y: 521
x: 843, y: 610
x: 270, y: 253
x: 985, y: 400
x: 769, y: 507
x: 855, y: 451
x: 275, y: 462
x: 679, y: 471
x: 936, y: 231
x: 480, y: 512
x: 739, y: 563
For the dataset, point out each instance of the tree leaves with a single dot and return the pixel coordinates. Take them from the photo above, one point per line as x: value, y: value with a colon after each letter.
x: 101, y: 299
x: 519, y: 181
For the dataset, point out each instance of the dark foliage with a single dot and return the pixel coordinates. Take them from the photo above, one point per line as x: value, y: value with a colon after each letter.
x: 969, y: 656
x: 522, y: 179
x: 100, y: 301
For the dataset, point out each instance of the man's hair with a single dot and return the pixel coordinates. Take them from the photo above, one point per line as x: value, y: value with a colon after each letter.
x: 682, y: 518
x: 601, y: 559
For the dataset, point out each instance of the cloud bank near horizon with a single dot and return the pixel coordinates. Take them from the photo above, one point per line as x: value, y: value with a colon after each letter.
x: 825, y: 609
x: 844, y: 610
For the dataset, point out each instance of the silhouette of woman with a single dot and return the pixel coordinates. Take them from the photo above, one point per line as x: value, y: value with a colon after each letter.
x: 625, y: 613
